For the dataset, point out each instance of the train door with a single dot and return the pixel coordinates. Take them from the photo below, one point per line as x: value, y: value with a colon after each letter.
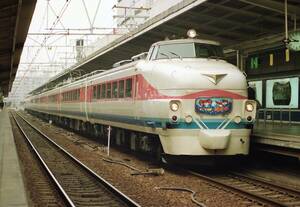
x: 82, y: 100
x: 89, y: 99
x: 59, y: 100
x: 86, y: 100
x: 135, y: 104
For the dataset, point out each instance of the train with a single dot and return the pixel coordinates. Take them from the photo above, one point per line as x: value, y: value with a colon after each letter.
x: 179, y: 99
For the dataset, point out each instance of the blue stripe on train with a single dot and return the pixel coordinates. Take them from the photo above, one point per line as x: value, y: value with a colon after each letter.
x: 157, y: 122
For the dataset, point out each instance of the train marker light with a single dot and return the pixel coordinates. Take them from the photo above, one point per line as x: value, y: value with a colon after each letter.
x: 174, y: 106
x: 249, y: 107
x: 237, y: 119
x: 174, y: 118
x: 191, y: 33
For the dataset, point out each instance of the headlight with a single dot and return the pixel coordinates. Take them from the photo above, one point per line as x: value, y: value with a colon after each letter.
x: 174, y: 106
x: 188, y: 119
x: 237, y: 119
x: 249, y: 107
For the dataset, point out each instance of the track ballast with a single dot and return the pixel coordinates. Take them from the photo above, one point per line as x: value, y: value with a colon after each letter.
x: 78, y: 185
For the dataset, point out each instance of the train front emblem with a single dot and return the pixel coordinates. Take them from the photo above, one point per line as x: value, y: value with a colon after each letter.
x: 213, y: 106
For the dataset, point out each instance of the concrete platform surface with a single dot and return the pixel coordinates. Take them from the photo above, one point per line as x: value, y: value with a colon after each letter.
x: 282, y: 135
x: 12, y: 191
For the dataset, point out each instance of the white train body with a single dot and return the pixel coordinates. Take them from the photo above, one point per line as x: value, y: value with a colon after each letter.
x: 196, y: 105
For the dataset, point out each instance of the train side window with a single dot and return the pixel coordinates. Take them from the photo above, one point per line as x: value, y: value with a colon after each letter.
x: 128, y: 89
x: 98, y: 91
x: 115, y: 90
x: 94, y: 92
x: 103, y: 91
x: 121, y: 89
x: 108, y: 90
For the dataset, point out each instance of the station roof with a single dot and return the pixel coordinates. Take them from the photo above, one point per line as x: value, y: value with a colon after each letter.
x: 237, y: 24
x: 15, y: 18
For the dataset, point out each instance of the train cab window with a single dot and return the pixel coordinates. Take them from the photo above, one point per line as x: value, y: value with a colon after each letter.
x: 183, y: 50
x: 128, y: 92
x: 121, y: 89
x: 103, y: 91
x: 154, y: 53
x: 150, y: 53
x: 98, y: 91
x: 94, y: 92
x: 108, y: 90
x: 187, y: 50
x: 115, y: 90
x: 206, y: 51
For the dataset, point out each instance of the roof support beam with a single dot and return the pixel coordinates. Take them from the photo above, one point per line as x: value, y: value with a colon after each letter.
x: 273, y: 6
x: 258, y: 44
x: 8, y: 7
x: 247, y: 13
x: 12, y: 71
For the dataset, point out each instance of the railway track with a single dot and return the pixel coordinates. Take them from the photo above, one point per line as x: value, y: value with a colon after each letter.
x: 77, y: 184
x: 254, y: 189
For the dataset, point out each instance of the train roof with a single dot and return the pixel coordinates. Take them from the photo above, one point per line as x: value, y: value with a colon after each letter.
x: 178, y: 41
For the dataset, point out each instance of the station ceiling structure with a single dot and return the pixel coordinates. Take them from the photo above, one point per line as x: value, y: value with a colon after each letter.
x: 246, y: 25
x: 15, y: 18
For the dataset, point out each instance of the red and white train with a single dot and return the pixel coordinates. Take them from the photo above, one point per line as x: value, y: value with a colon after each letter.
x: 182, y: 99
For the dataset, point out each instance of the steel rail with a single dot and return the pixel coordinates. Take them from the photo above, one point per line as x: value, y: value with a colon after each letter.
x: 65, y: 196
x: 255, y: 197
x: 285, y: 188
x: 128, y: 201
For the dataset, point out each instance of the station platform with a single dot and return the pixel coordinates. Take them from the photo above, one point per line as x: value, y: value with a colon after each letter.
x: 12, y: 191
x: 282, y: 138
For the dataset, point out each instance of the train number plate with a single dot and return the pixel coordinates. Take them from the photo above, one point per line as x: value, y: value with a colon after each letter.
x: 213, y: 106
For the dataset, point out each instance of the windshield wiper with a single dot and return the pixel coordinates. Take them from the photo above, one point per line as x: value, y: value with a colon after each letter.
x: 161, y: 53
x: 173, y: 53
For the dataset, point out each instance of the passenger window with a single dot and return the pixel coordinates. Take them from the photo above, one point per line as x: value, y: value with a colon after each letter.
x: 121, y: 89
x: 94, y: 92
x: 115, y: 90
x: 103, y: 91
x: 108, y: 90
x: 98, y: 91
x: 128, y: 88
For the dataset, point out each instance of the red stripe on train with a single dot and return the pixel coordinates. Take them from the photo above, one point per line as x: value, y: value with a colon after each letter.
x: 146, y: 91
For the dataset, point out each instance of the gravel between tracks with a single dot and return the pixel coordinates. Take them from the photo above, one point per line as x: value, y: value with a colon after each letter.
x: 140, y: 188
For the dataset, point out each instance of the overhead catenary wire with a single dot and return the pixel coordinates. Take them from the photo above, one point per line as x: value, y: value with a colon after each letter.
x: 62, y: 11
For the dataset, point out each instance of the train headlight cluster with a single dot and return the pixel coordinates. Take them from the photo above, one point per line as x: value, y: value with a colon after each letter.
x: 249, y: 107
x: 174, y: 106
x: 191, y: 33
